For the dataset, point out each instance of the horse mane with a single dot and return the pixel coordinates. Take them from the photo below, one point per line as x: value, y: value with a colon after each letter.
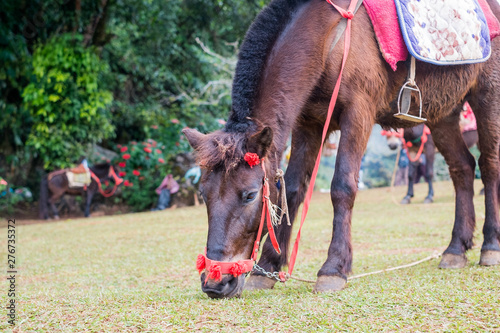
x: 258, y: 42
x: 221, y: 149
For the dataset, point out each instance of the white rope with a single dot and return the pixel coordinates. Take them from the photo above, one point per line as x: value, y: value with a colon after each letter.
x: 435, y: 255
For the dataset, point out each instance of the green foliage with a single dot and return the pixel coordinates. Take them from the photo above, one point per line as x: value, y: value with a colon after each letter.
x: 143, y: 167
x: 68, y: 105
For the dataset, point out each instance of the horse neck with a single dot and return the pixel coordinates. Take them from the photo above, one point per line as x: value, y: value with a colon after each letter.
x: 293, y: 69
x: 100, y: 171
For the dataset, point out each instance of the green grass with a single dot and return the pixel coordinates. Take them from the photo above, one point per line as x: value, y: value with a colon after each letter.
x: 135, y: 273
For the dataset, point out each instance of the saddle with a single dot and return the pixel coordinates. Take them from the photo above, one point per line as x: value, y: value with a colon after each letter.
x: 445, y: 32
x: 78, y: 177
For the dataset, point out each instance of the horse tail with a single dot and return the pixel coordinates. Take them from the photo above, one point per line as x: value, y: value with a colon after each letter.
x: 43, y: 202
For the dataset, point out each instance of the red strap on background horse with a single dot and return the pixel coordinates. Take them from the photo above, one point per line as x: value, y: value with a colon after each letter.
x: 423, y: 140
x: 348, y: 14
x: 112, y: 173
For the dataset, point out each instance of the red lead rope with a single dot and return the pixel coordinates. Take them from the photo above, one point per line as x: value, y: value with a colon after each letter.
x: 347, y: 43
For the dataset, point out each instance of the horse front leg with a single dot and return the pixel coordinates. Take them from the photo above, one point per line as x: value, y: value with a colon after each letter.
x: 412, y: 174
x: 305, y: 147
x: 355, y: 131
x: 429, y: 150
x: 461, y: 163
x: 90, y: 195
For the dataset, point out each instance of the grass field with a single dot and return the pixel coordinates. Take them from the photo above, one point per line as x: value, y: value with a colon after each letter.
x: 135, y: 273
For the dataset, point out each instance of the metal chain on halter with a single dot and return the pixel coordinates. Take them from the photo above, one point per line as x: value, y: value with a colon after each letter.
x: 274, y: 275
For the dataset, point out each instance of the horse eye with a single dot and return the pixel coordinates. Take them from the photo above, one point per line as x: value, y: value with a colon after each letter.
x: 249, y: 196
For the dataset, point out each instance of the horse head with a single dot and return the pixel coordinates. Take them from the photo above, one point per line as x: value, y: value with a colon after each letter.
x: 393, y: 138
x: 232, y: 186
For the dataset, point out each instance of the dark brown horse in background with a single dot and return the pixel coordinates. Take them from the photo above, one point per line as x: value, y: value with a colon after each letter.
x: 283, y: 83
x: 55, y: 185
x: 415, y: 135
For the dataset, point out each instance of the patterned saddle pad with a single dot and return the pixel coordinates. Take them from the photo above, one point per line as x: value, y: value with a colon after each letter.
x: 78, y: 180
x: 444, y: 32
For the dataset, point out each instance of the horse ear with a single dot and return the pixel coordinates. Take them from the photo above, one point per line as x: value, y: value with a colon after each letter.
x: 261, y: 142
x: 194, y: 137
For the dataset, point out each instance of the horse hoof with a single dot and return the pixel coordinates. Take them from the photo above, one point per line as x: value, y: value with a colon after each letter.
x: 325, y: 284
x: 259, y: 282
x: 453, y: 261
x: 489, y: 258
x: 428, y: 201
x: 406, y: 201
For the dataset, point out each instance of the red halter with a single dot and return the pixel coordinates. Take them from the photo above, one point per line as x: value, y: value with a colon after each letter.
x: 214, y: 268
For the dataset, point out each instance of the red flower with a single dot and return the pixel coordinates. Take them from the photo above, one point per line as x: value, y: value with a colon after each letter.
x: 122, y: 164
x: 252, y: 159
x: 122, y: 174
x: 127, y: 183
x: 158, y: 151
x: 141, y: 178
x: 174, y: 121
x: 154, y: 126
x: 118, y: 146
x: 177, y: 144
x: 126, y: 156
x: 136, y: 172
x: 124, y: 149
x: 161, y: 160
x: 147, y: 150
x: 133, y: 143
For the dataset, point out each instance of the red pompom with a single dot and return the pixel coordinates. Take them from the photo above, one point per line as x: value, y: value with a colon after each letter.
x: 252, y: 159
x: 215, y: 273
x: 237, y: 269
x: 409, y: 144
x: 200, y: 263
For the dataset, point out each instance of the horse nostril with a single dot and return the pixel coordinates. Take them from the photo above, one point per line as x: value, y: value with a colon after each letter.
x: 226, y: 288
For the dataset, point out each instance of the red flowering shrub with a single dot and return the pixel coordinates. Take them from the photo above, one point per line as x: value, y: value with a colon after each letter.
x: 124, y: 149
x: 139, y: 192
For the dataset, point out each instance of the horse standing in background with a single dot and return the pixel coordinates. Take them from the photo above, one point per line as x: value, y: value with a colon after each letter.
x: 56, y: 184
x: 420, y: 148
x: 288, y: 65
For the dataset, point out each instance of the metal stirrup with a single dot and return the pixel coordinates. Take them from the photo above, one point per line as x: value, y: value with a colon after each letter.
x: 404, y: 98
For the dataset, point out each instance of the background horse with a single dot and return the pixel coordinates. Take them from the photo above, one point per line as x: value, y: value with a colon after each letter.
x: 414, y: 136
x: 55, y: 185
x: 287, y: 67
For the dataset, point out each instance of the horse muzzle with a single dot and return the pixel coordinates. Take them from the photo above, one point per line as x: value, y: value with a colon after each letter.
x: 228, y: 287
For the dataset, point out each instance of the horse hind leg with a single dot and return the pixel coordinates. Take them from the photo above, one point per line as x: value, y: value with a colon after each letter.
x: 447, y: 137
x: 429, y: 168
x: 305, y: 147
x: 489, y: 164
x: 412, y: 174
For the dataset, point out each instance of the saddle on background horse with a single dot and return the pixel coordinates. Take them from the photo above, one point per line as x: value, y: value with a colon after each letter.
x: 444, y: 32
x: 78, y: 177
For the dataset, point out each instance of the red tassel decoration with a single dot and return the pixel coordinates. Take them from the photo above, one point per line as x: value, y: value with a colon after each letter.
x: 237, y: 269
x: 252, y: 159
x: 215, y: 273
x: 200, y: 263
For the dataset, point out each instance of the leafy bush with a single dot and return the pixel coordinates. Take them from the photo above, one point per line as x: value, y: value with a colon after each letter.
x: 65, y: 98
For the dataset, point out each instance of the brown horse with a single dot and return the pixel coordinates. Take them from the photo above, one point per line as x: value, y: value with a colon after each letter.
x: 55, y: 185
x: 414, y: 135
x: 283, y: 83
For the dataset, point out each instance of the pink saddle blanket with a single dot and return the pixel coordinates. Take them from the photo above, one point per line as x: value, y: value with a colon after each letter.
x: 386, y: 26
